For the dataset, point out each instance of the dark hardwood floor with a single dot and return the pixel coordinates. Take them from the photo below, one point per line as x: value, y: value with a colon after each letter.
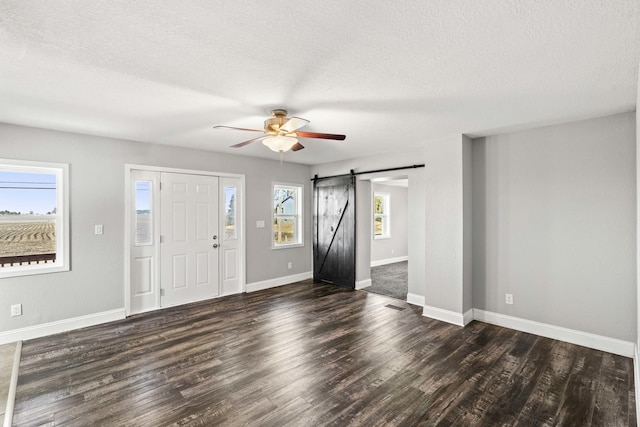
x: 311, y: 355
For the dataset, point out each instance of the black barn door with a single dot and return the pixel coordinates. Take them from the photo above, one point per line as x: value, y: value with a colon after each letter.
x: 334, y: 240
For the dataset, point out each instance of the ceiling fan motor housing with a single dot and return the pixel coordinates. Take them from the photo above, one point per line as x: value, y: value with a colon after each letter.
x: 274, y: 123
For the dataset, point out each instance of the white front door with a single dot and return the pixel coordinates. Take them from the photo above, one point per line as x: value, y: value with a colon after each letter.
x: 190, y: 238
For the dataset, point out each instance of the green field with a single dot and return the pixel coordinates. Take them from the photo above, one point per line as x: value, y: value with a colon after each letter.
x: 27, y: 237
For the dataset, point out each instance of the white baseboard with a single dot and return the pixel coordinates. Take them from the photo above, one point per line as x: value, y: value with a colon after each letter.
x: 389, y: 261
x: 444, y: 315
x: 415, y: 299
x: 585, y: 339
x: 278, y: 281
x: 363, y: 284
x: 37, y: 331
x: 467, y: 316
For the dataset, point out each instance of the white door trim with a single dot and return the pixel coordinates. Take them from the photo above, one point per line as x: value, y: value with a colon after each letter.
x: 127, y: 223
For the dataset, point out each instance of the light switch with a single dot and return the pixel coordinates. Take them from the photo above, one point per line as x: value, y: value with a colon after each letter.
x: 98, y: 229
x: 259, y: 224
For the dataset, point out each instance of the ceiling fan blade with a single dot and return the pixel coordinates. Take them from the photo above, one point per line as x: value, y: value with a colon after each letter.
x: 320, y: 135
x: 242, y: 144
x: 294, y: 123
x: 297, y: 146
x: 231, y: 127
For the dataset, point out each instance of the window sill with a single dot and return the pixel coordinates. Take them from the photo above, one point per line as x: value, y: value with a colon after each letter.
x: 6, y: 272
x: 381, y: 237
x: 292, y: 245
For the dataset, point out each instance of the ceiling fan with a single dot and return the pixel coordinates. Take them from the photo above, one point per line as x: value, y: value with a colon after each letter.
x: 282, y: 132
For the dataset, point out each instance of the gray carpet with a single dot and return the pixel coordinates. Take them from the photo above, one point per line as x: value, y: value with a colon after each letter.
x: 391, y: 280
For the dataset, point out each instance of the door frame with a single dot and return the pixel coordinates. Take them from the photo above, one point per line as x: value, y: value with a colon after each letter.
x: 127, y: 227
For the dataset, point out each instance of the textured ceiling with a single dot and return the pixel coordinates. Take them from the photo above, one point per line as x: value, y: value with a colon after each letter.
x: 387, y: 74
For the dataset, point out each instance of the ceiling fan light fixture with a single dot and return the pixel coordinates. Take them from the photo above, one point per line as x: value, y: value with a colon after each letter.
x: 280, y: 143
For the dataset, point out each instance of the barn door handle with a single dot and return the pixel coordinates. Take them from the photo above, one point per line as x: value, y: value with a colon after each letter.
x: 215, y: 246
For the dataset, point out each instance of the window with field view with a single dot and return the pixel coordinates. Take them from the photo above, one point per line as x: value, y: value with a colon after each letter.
x: 381, y: 222
x: 287, y: 215
x: 33, y: 225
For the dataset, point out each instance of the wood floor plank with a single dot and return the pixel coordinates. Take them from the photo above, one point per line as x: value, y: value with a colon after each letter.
x: 314, y: 354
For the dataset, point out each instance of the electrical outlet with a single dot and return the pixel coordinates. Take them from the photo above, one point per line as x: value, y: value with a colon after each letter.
x: 290, y: 265
x: 259, y: 224
x: 98, y: 229
x: 16, y: 310
x: 508, y: 298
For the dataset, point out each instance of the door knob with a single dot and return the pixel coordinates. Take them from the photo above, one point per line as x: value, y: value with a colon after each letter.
x: 215, y: 237
x: 215, y: 245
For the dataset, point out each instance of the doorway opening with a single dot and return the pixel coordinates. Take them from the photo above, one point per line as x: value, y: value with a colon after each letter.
x: 389, y: 258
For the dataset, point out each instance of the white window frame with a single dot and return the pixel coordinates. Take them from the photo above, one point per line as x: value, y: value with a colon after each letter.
x: 298, y: 216
x: 61, y: 171
x: 386, y: 216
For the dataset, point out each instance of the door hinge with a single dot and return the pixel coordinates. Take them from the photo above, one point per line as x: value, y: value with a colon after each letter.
x: 161, y: 292
x: 161, y: 239
x: 160, y: 185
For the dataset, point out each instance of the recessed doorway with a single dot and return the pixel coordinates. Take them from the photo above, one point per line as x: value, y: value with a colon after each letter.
x: 389, y: 237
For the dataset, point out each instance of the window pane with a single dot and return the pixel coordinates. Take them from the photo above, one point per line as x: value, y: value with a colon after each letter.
x: 144, y: 216
x: 284, y: 230
x: 284, y: 201
x: 378, y: 226
x: 28, y: 212
x: 378, y: 205
x: 230, y: 213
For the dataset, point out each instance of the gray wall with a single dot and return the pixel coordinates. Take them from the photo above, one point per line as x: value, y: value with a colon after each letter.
x: 467, y: 224
x: 96, y: 280
x: 554, y: 223
x: 363, y: 232
x: 638, y: 232
x: 397, y: 245
x: 444, y: 224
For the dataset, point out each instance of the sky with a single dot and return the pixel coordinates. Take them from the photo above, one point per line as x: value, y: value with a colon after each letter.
x: 143, y: 195
x: 26, y: 191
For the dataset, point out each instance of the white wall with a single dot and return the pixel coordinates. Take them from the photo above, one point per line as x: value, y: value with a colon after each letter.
x: 96, y: 281
x: 397, y: 244
x: 554, y: 223
x: 416, y: 204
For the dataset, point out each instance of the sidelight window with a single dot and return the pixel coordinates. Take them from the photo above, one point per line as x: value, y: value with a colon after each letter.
x: 230, y: 229
x: 287, y: 215
x: 34, y: 218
